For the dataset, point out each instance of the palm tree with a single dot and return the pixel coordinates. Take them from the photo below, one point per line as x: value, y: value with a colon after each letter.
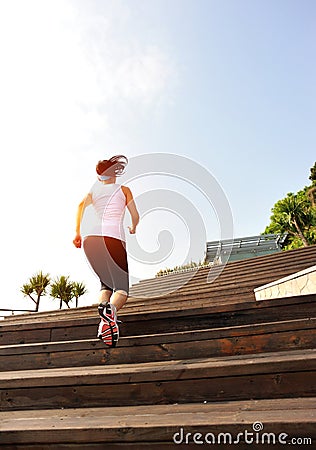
x: 292, y: 215
x: 37, y: 284
x: 296, y: 215
x: 311, y: 191
x: 62, y: 289
x: 311, y: 194
x: 78, y: 289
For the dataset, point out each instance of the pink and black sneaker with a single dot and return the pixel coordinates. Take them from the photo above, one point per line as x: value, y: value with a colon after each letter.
x: 108, y: 330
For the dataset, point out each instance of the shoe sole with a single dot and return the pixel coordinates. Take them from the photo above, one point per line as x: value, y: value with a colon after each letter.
x: 109, y: 333
x: 114, y: 334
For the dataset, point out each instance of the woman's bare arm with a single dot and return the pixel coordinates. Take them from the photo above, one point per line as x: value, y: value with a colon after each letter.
x: 81, y: 207
x: 131, y: 206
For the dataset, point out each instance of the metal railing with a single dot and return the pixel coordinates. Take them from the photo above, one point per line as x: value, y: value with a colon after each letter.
x: 246, y: 245
x: 13, y: 311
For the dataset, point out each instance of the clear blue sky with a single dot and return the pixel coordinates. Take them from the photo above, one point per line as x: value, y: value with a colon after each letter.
x: 228, y: 84
x: 245, y: 102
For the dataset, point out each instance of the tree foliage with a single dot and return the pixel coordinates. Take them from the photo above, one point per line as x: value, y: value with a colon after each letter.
x: 296, y: 215
x: 78, y: 289
x: 37, y: 285
x: 182, y: 268
x: 312, y: 190
x: 61, y: 288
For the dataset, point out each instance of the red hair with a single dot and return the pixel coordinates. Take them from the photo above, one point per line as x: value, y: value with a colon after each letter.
x: 112, y: 167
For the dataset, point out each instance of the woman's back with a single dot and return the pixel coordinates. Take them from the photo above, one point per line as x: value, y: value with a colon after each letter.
x: 109, y: 203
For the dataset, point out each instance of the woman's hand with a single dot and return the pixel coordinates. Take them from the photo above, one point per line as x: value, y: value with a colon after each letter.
x: 77, y: 241
x: 132, y: 229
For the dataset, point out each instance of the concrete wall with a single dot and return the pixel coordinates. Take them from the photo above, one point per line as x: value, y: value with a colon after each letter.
x: 300, y: 283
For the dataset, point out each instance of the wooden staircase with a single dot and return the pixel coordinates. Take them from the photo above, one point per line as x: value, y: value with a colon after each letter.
x: 206, y: 358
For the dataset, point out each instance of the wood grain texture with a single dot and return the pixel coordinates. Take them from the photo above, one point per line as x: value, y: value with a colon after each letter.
x: 244, y: 339
x: 130, y: 424
x: 206, y: 358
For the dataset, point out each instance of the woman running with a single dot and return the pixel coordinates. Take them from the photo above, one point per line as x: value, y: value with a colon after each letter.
x: 105, y: 245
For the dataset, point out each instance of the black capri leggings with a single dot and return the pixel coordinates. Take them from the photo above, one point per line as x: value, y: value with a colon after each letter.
x: 107, y: 257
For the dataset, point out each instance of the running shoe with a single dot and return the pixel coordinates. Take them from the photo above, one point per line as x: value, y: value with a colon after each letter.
x: 108, y: 330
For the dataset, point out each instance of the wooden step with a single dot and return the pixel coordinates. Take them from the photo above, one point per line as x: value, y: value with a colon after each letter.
x: 226, y: 279
x: 245, y: 339
x: 215, y: 291
x: 202, y: 358
x: 248, y: 265
x: 200, y: 304
x: 227, y: 285
x: 286, y: 263
x: 234, y: 314
x: 236, y: 289
x: 204, y: 294
x: 160, y: 426
x: 232, y: 282
x: 283, y: 375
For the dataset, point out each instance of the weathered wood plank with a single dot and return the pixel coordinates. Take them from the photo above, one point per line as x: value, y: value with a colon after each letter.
x: 15, y: 336
x: 234, y: 317
x: 263, y: 270
x: 284, y: 374
x: 276, y: 385
x: 181, y: 336
x: 227, y: 283
x: 285, y: 404
x: 293, y: 416
x: 155, y: 371
x: 70, y: 319
x: 268, y: 337
x: 164, y: 321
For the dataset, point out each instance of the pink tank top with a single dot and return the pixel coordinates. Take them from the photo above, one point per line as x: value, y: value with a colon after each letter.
x: 109, y: 204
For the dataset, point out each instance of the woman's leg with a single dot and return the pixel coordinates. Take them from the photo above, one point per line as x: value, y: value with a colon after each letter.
x: 97, y: 256
x: 118, y: 267
x: 118, y: 299
x: 105, y: 294
x: 101, y: 262
x: 108, y: 258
